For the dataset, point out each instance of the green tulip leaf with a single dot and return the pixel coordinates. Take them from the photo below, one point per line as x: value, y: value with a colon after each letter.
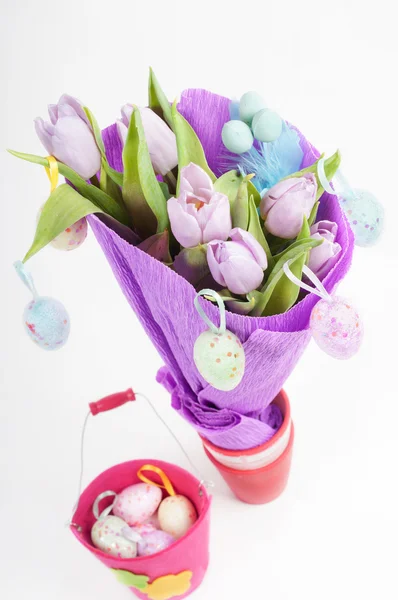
x: 191, y: 263
x: 165, y: 189
x: 331, y: 165
x: 240, y: 207
x: 257, y: 231
x: 291, y: 253
x: 99, y: 198
x: 285, y: 292
x: 314, y: 212
x: 189, y: 148
x: 158, y: 246
x: 142, y: 194
x: 140, y: 582
x: 64, y: 207
x: 229, y: 184
x: 96, y: 131
x: 157, y: 100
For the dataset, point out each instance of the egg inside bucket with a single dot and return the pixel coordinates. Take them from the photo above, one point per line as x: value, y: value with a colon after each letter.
x: 220, y: 359
x: 176, y: 515
x: 107, y: 535
x: 137, y: 503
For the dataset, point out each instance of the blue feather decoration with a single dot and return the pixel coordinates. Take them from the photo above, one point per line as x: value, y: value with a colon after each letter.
x: 269, y: 162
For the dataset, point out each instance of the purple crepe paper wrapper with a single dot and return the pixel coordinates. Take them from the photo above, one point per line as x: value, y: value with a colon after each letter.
x: 164, y: 303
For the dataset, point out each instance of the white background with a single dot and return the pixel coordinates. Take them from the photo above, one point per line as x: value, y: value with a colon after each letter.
x: 330, y: 68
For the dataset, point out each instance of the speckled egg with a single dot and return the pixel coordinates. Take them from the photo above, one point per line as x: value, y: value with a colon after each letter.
x: 106, y: 534
x: 336, y: 327
x: 47, y: 322
x: 220, y: 359
x: 72, y: 237
x: 365, y: 215
x: 176, y: 514
x: 154, y: 542
x: 136, y: 503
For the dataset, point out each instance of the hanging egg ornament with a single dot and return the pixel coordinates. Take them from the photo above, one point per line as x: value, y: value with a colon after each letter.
x: 334, y: 323
x: 237, y: 137
x: 154, y: 542
x: 137, y: 503
x: 218, y: 353
x: 267, y: 125
x: 107, y: 535
x: 176, y: 515
x: 45, y: 319
x: 72, y: 237
x: 365, y: 215
x: 250, y: 104
x: 336, y: 327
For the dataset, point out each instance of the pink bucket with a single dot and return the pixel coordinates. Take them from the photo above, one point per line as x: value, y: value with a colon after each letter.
x: 189, y: 555
x: 174, y: 572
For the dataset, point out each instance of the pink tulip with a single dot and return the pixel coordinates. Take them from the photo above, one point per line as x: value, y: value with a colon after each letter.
x: 285, y: 204
x: 324, y: 257
x: 69, y: 137
x: 161, y: 140
x: 199, y: 214
x: 239, y: 264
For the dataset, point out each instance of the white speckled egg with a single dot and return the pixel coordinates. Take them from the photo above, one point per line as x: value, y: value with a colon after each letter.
x: 72, y: 237
x: 220, y: 359
x: 106, y: 534
x: 136, y: 503
x: 176, y: 515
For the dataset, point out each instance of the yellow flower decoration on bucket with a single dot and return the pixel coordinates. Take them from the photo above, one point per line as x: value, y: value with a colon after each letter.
x: 169, y: 586
x: 162, y: 588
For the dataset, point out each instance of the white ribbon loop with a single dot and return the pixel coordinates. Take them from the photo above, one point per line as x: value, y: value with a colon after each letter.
x: 319, y: 288
x: 108, y: 509
x: 206, y: 292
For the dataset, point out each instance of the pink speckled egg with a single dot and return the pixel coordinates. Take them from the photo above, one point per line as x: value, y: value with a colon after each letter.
x: 107, y: 535
x: 176, y: 515
x: 154, y: 542
x: 72, y: 237
x: 136, y: 503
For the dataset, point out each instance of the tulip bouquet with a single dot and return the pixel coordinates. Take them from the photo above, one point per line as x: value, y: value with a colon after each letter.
x: 179, y: 201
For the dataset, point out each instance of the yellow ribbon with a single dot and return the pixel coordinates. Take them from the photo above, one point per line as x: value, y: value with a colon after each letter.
x: 165, y: 480
x: 52, y: 172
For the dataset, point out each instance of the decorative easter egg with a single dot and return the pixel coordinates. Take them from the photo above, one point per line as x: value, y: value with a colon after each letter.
x: 136, y: 503
x: 144, y: 528
x: 47, y: 322
x: 72, y: 237
x: 267, y: 125
x: 107, y: 535
x: 249, y: 105
x: 365, y: 215
x: 237, y: 137
x: 154, y: 542
x: 176, y: 514
x: 220, y: 359
x: 336, y: 327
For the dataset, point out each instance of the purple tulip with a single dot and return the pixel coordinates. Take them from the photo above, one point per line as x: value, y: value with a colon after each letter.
x: 285, y: 204
x: 69, y: 137
x: 324, y: 257
x: 239, y: 264
x: 199, y: 214
x: 161, y: 140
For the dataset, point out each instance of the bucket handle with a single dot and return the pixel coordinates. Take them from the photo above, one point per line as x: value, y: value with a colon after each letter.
x: 114, y: 401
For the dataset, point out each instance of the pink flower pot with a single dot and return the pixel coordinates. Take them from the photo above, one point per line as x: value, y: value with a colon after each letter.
x: 189, y: 553
x: 258, y: 475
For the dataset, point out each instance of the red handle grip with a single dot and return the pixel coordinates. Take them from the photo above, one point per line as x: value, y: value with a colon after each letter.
x: 112, y: 401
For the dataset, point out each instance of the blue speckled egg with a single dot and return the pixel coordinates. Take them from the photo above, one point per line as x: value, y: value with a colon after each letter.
x: 365, y: 215
x: 267, y: 125
x: 249, y: 105
x: 237, y: 137
x: 47, y: 322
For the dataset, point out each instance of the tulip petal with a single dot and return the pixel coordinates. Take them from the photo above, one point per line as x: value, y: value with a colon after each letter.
x: 76, y: 105
x: 213, y: 264
x: 325, y: 226
x: 127, y: 110
x: 241, y: 275
x: 184, y: 226
x: 162, y: 145
x: 219, y: 225
x: 196, y: 178
x: 44, y: 131
x: 74, y: 144
x: 240, y: 235
x: 122, y: 131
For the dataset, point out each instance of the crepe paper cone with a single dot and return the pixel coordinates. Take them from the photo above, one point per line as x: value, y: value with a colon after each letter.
x: 174, y: 572
x: 258, y: 475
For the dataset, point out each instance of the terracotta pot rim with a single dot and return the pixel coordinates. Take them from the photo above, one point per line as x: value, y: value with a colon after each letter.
x: 262, y: 447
